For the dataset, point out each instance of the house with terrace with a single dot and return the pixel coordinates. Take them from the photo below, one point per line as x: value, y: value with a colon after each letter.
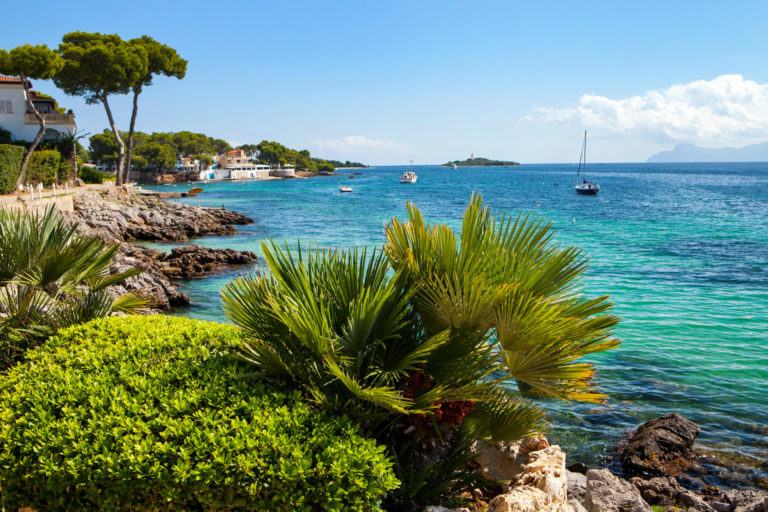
x: 21, y: 122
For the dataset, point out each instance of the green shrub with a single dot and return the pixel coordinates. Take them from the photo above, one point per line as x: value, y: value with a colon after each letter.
x: 43, y: 167
x: 90, y: 175
x: 10, y: 165
x: 151, y: 413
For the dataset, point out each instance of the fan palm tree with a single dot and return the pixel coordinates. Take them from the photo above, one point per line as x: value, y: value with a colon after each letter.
x: 532, y: 304
x: 431, y: 343
x: 51, y: 277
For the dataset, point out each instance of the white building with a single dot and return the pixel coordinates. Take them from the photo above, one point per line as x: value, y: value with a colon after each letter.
x: 248, y: 172
x: 215, y: 174
x: 22, y: 123
x: 286, y: 171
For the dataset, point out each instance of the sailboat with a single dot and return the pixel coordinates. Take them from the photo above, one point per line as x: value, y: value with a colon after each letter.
x: 585, y: 187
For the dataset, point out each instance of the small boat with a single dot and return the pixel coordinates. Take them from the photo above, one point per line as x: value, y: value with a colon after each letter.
x: 454, y: 166
x: 345, y: 188
x: 586, y: 188
x: 409, y: 176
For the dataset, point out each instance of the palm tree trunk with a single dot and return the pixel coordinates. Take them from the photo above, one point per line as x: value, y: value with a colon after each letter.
x: 120, y: 144
x: 136, y: 92
x: 38, y: 138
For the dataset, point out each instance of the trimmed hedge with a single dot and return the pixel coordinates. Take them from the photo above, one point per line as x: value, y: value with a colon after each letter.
x: 90, y: 175
x: 43, y: 166
x: 155, y: 413
x: 10, y: 165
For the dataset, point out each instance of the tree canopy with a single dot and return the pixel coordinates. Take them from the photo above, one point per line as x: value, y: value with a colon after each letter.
x: 97, y: 66
x: 30, y: 61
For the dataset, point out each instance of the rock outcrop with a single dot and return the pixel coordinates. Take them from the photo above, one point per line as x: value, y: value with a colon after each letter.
x: 119, y: 216
x: 608, y: 493
x: 661, y: 446
x: 538, y: 480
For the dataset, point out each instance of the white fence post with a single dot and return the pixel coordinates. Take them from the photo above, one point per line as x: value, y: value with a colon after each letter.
x: 53, y: 192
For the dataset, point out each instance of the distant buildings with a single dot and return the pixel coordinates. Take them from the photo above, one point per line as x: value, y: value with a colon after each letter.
x: 21, y: 122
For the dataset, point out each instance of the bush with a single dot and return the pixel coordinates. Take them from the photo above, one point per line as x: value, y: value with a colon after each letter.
x: 10, y: 165
x: 90, y: 175
x: 150, y: 413
x: 43, y: 167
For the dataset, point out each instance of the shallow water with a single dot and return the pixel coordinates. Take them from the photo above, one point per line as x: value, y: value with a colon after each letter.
x: 681, y: 248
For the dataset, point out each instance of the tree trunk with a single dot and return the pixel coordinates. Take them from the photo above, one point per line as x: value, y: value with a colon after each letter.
x: 120, y: 144
x: 136, y: 92
x: 38, y: 138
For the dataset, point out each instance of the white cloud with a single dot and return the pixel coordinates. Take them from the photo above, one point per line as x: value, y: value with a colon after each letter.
x: 728, y: 110
x: 357, y: 143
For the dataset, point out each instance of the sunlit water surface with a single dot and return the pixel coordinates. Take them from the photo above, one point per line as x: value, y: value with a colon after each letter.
x: 681, y: 248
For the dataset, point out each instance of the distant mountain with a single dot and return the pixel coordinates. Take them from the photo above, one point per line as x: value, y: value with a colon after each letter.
x: 691, y: 153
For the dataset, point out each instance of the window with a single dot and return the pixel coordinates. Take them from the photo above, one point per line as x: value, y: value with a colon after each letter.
x: 6, y: 107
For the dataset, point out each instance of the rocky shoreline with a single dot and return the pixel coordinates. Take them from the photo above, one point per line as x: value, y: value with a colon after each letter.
x: 121, y: 216
x: 659, y: 473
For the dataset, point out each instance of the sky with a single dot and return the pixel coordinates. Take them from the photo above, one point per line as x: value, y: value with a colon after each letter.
x: 433, y: 81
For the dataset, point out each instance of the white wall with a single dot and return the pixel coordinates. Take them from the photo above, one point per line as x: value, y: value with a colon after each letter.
x: 14, y: 122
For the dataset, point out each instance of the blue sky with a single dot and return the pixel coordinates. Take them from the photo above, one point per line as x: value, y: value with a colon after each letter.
x: 389, y: 82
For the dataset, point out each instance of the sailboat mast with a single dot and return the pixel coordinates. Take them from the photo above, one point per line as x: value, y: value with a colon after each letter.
x: 585, y: 156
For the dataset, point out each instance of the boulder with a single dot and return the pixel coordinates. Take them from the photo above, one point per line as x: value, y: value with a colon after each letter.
x: 608, y: 493
x: 524, y: 499
x: 747, y: 500
x: 541, y: 485
x: 661, y: 446
x: 504, y: 462
x: 437, y: 508
x: 666, y: 492
x: 577, y: 485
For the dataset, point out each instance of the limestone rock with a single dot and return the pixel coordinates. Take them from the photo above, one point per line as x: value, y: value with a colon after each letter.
x: 437, y: 508
x: 505, y: 461
x: 747, y: 500
x: 541, y: 485
x: 608, y: 493
x: 575, y: 505
x: 524, y: 499
x: 660, y: 446
x: 118, y: 215
x: 577, y: 485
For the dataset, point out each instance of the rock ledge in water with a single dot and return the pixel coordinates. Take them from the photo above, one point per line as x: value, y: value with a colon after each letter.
x: 661, y: 446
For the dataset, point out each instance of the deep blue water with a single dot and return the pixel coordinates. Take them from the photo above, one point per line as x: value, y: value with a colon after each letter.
x: 681, y: 248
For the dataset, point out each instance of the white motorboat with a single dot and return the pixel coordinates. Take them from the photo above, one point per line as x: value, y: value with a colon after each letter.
x: 409, y: 176
x: 454, y: 166
x: 345, y: 188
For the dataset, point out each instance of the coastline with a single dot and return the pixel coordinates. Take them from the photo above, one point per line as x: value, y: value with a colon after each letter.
x: 121, y: 215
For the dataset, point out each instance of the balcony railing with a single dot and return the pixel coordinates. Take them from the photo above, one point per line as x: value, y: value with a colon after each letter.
x: 51, y: 119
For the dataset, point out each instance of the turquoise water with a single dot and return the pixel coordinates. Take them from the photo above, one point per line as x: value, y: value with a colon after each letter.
x: 681, y: 248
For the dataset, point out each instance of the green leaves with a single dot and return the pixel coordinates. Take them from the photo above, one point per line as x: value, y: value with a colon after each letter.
x: 30, y: 61
x: 153, y: 413
x: 50, y: 277
x: 505, y: 277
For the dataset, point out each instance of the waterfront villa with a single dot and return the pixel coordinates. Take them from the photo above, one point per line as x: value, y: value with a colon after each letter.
x: 240, y: 167
x: 16, y: 118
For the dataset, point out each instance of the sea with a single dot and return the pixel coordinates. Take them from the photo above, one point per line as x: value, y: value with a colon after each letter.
x: 682, y: 249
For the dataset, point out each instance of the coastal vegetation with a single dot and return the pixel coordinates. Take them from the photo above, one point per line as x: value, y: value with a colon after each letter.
x: 159, y: 413
x: 50, y: 278
x: 30, y: 62
x: 338, y: 164
x: 480, y: 162
x: 158, y: 151
x: 10, y: 163
x: 422, y: 357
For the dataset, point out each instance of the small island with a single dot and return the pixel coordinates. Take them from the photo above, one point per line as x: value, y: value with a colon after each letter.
x: 480, y: 162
